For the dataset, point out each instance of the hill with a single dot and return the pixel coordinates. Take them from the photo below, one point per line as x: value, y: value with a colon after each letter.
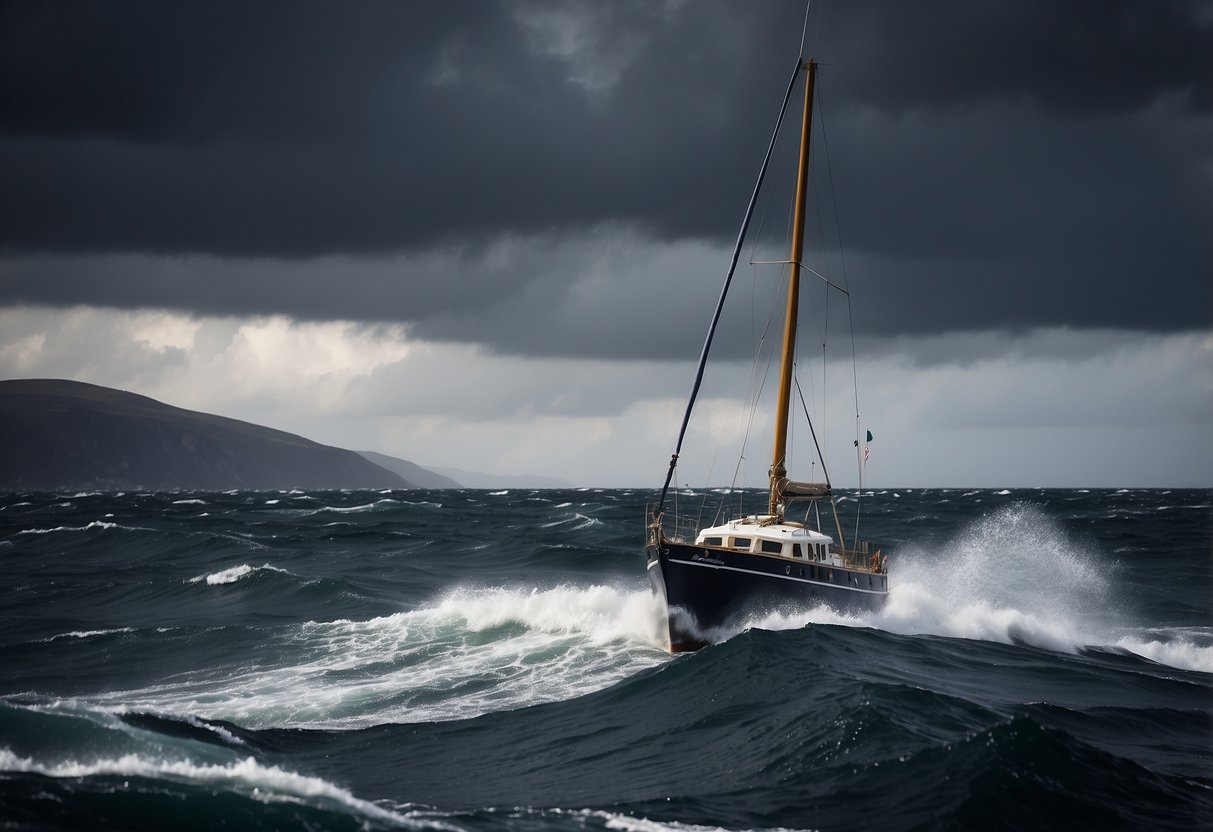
x: 414, y: 473
x: 57, y: 434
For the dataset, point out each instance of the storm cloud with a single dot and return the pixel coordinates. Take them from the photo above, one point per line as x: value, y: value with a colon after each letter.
x: 1030, y: 164
x: 490, y: 234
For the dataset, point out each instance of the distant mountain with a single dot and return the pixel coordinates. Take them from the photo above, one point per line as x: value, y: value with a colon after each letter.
x: 414, y: 473
x: 57, y: 434
x: 476, y: 479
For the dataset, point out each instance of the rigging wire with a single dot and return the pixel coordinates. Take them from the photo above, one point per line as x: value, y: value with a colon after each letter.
x: 859, y: 455
x: 707, y: 343
x: 755, y: 387
x: 804, y: 32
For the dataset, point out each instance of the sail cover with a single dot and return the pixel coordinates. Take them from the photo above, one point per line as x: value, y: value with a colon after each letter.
x: 787, y: 490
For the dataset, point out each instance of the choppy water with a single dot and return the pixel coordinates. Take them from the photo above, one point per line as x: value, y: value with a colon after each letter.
x: 485, y: 660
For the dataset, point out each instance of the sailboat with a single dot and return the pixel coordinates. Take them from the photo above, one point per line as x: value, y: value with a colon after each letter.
x: 719, y: 576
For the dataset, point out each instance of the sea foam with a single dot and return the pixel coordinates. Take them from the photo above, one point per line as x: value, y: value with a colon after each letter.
x: 235, y: 573
x: 267, y: 784
x: 1013, y: 576
x: 475, y: 651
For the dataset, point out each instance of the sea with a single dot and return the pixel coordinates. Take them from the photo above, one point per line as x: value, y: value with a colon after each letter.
x: 483, y: 660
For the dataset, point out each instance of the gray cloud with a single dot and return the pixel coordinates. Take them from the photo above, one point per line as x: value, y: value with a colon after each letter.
x: 516, y: 173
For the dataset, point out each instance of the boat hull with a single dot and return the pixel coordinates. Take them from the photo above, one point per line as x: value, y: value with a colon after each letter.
x: 706, y: 588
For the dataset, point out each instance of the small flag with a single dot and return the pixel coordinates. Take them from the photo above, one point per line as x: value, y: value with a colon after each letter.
x: 869, y: 436
x: 866, y: 453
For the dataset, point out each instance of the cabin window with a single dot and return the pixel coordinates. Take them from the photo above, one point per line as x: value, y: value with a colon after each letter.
x: 772, y: 547
x: 742, y: 543
x: 713, y: 541
x: 797, y: 553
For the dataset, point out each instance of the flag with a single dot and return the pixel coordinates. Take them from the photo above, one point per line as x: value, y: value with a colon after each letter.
x: 869, y: 436
x: 866, y: 452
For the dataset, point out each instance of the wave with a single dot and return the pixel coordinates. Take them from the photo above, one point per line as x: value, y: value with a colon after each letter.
x: 421, y: 503
x: 235, y: 573
x: 96, y: 524
x: 473, y: 652
x: 596, y: 818
x: 575, y: 523
x: 492, y: 674
x: 1183, y: 653
x: 1012, y: 577
x: 247, y: 777
x: 91, y: 633
x: 359, y: 509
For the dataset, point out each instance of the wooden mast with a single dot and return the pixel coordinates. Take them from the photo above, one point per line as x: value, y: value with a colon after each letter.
x: 779, y: 472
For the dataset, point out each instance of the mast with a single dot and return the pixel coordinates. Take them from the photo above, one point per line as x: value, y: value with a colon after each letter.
x: 778, y: 473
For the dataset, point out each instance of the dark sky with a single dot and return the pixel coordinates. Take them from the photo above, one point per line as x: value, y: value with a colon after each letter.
x: 997, y: 166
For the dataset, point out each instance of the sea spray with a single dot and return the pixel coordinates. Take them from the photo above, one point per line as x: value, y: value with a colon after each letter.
x: 474, y: 652
x: 1013, y: 576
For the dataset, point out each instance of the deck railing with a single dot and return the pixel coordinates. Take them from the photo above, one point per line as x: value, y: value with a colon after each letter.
x: 684, y: 528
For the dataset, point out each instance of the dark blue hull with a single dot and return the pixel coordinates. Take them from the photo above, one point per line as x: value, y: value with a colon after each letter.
x: 707, y: 588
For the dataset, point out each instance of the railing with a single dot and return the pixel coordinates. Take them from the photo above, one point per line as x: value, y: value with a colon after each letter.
x: 861, y: 557
x: 679, y: 528
x: 685, y: 529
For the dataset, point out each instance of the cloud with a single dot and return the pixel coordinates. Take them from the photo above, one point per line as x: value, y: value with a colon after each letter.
x: 296, y: 130
x: 613, y: 294
x: 1087, y: 57
x: 1053, y: 406
x: 480, y: 223
x: 551, y: 179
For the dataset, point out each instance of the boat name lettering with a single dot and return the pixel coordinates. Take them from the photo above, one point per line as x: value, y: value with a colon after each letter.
x: 704, y: 558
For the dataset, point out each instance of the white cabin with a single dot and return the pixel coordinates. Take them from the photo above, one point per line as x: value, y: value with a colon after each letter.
x: 761, y: 534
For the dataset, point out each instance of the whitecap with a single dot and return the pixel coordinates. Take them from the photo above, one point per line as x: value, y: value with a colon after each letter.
x: 91, y: 633
x: 628, y: 823
x: 582, y: 522
x: 268, y: 784
x: 488, y: 649
x: 235, y: 573
x: 1015, y: 576
x: 96, y: 524
x: 356, y: 509
x: 1179, y: 653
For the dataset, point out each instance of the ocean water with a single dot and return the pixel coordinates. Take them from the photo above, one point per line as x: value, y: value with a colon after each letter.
x: 465, y: 660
